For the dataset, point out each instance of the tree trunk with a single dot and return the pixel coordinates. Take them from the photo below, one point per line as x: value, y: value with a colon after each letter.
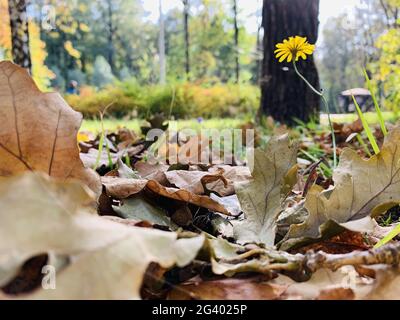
x: 236, y: 38
x: 20, y: 33
x: 186, y: 10
x: 285, y: 96
x: 161, y: 46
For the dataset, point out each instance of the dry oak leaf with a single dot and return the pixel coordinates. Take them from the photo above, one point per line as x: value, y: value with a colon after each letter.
x: 363, y: 189
x: 255, y: 288
x: 107, y: 260
x: 261, y: 198
x: 219, y: 179
x: 387, y: 284
x: 342, y: 284
x: 121, y: 188
x: 38, y: 130
x: 188, y: 180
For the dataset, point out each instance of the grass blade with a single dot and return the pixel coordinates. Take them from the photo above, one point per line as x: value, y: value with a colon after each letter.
x: 388, y: 237
x: 364, y: 145
x: 327, y: 171
x: 367, y: 129
x: 102, y: 139
x: 377, y: 108
x: 100, y: 151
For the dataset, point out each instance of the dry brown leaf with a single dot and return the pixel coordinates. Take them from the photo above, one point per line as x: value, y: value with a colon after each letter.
x: 387, y: 286
x: 219, y: 179
x: 363, y: 189
x: 38, y: 130
x: 261, y: 198
x: 89, y: 159
x: 186, y: 196
x: 152, y: 171
x: 108, y: 260
x: 121, y: 188
x: 336, y: 294
x: 232, y: 174
x: 188, y: 180
x: 343, y: 284
x: 228, y: 289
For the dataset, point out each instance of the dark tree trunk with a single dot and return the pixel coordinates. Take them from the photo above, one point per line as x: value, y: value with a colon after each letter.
x: 236, y: 39
x: 186, y: 10
x: 284, y: 95
x: 20, y: 33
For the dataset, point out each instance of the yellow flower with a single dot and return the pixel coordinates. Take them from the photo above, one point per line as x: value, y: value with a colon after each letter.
x: 83, y: 137
x: 294, y: 48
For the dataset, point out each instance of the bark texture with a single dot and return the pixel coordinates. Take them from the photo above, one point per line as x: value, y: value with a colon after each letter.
x: 20, y: 33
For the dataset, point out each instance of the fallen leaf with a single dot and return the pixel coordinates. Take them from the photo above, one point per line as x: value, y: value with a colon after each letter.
x: 121, y: 188
x: 39, y: 130
x: 219, y: 179
x: 188, y: 180
x: 363, y: 189
x: 255, y: 288
x: 261, y: 198
x: 229, y: 259
x: 137, y: 208
x: 386, y: 286
x: 231, y: 203
x: 343, y: 284
x: 186, y: 196
x: 89, y: 159
x: 152, y: 171
x: 108, y: 259
x: 345, y: 242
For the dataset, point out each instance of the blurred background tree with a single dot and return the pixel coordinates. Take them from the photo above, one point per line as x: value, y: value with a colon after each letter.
x: 386, y: 66
x: 115, y: 43
x: 19, y: 25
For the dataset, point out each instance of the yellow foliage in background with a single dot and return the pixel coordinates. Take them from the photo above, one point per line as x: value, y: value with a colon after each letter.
x: 5, y: 35
x: 387, y: 69
x: 41, y: 73
x: 68, y: 46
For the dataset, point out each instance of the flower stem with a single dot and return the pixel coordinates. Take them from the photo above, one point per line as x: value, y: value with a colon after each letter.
x: 326, y: 109
x: 332, y: 131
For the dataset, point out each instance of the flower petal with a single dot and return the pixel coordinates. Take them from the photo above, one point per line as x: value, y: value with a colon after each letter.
x: 281, y: 53
x: 284, y: 57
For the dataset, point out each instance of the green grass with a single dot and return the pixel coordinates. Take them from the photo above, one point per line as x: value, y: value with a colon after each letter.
x: 113, y: 124
x: 371, y: 117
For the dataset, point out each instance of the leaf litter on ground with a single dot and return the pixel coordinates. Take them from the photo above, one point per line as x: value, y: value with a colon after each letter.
x: 186, y: 231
